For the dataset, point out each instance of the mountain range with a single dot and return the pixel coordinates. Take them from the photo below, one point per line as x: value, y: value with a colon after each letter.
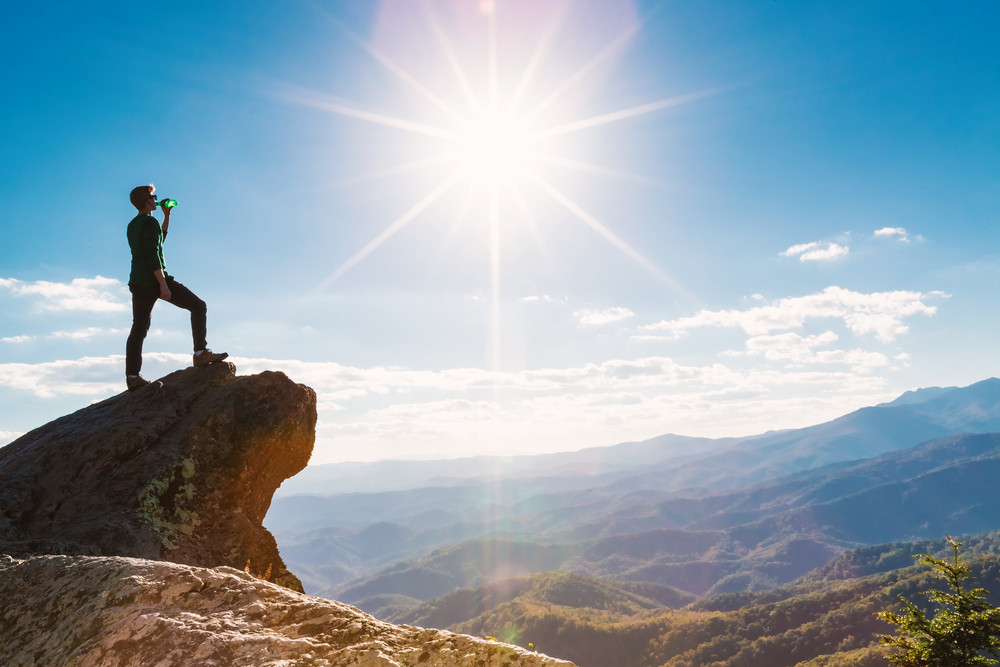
x: 693, y: 515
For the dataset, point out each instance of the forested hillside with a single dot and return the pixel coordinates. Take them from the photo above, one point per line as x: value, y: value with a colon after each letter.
x: 823, y: 619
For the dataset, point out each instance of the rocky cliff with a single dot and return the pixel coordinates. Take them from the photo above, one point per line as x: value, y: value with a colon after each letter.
x: 182, y: 470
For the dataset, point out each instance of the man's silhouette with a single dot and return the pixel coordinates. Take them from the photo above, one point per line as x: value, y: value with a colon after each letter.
x: 149, y: 281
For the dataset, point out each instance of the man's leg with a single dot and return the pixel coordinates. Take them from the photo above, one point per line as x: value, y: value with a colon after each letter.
x: 143, y: 300
x: 184, y: 298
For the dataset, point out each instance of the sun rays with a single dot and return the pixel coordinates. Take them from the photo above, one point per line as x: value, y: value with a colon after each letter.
x: 498, y: 142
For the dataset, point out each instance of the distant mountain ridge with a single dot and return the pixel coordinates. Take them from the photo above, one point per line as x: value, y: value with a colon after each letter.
x: 912, y: 418
x: 782, y: 497
x: 752, y: 539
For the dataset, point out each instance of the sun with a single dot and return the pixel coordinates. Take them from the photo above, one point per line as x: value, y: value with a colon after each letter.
x: 498, y: 124
x: 496, y: 148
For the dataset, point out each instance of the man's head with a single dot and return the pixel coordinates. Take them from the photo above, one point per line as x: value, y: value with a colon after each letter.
x: 141, y: 196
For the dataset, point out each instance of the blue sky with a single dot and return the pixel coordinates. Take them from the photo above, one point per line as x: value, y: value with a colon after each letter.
x: 509, y: 226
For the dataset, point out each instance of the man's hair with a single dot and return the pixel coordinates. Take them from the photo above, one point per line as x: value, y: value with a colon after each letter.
x: 140, y: 195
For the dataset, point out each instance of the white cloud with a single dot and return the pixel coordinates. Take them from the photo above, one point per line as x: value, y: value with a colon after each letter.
x: 87, y: 334
x: 7, y: 437
x: 16, y: 339
x: 536, y: 298
x: 788, y: 346
x: 647, y: 338
x: 880, y: 313
x: 98, y: 294
x: 363, y: 412
x: 801, y: 351
x: 597, y: 317
x: 88, y: 376
x: 815, y: 251
x: 899, y: 232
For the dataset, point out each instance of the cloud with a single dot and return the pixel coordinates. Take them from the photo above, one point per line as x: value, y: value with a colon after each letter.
x: 96, y: 295
x: 78, y: 334
x: 899, y: 232
x: 879, y: 313
x: 379, y: 412
x: 816, y: 252
x: 597, y: 317
x: 788, y: 346
x: 800, y: 351
x: 7, y: 437
x: 87, y: 334
x: 88, y: 376
x: 538, y: 298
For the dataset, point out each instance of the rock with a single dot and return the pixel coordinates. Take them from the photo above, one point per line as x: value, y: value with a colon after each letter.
x: 130, y: 534
x: 182, y: 470
x: 106, y: 611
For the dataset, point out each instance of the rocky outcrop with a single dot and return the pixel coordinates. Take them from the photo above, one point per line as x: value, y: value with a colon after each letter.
x: 130, y: 534
x: 102, y: 612
x: 182, y: 470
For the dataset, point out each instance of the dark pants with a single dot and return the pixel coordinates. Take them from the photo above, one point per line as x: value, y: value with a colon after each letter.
x: 143, y: 299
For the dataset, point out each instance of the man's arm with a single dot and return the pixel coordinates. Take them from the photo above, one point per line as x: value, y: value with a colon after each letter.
x: 149, y: 239
x: 160, y: 278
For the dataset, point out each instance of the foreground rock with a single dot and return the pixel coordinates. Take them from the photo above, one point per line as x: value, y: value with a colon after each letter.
x: 182, y: 471
x: 98, y: 611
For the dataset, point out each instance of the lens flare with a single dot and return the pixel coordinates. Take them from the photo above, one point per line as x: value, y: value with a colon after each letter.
x: 496, y: 77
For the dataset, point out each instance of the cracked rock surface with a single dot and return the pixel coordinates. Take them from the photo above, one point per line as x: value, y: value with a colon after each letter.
x: 107, y: 611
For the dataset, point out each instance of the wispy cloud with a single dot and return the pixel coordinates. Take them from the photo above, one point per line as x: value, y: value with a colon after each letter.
x: 87, y: 376
x: 84, y: 334
x: 98, y: 294
x: 817, y: 252
x: 879, y: 313
x: 802, y: 350
x: 87, y: 333
x: 591, y: 317
x: 403, y: 412
x: 899, y: 233
x: 541, y: 298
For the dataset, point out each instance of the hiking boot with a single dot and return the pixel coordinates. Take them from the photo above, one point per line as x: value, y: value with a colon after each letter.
x: 134, y: 382
x: 208, y: 357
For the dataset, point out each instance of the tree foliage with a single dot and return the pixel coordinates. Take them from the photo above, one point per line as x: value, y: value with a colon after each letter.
x: 964, y: 630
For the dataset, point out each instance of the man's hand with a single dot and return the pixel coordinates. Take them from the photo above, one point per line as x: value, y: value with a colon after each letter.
x: 162, y: 280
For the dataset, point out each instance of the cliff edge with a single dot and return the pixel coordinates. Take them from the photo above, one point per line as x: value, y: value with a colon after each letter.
x: 182, y: 470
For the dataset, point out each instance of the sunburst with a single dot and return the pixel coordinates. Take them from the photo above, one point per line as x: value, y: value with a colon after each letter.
x: 496, y: 143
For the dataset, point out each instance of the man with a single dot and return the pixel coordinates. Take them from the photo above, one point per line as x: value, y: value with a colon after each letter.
x: 150, y: 281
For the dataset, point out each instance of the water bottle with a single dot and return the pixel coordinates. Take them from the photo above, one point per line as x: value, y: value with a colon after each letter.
x: 168, y: 203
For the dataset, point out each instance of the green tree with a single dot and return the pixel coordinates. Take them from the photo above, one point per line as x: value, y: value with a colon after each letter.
x: 964, y: 631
